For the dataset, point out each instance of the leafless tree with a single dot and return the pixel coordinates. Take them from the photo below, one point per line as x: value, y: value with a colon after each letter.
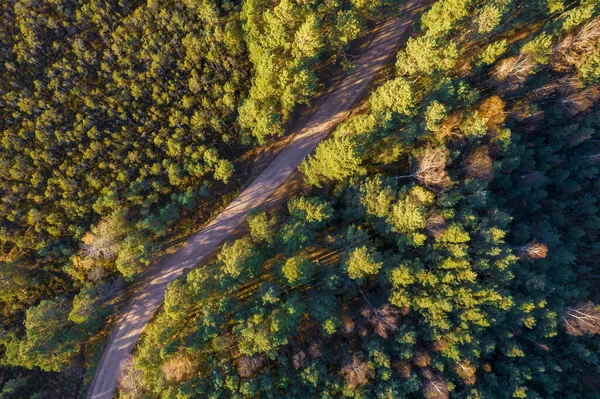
x: 530, y: 178
x: 179, y: 367
x: 568, y: 52
x: 435, y: 224
x: 439, y: 345
x: 348, y: 326
x: 104, y: 241
x: 130, y: 381
x: 479, y: 164
x: 95, y: 274
x: 383, y: 319
x: 403, y: 368
x: 224, y: 341
x: 299, y: 359
x: 435, y: 387
x: 466, y: 371
x: 346, y: 58
x: 421, y: 358
x: 582, y: 319
x: 543, y: 92
x: 510, y: 73
x: 534, y: 250
x: 357, y: 371
x: 569, y: 84
x: 315, y: 350
x: 565, y: 86
x: 430, y: 169
x: 581, y: 101
x: 543, y: 347
x: 248, y: 365
x: 449, y: 128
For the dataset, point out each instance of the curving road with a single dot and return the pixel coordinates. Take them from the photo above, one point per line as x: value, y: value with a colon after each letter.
x: 333, y: 108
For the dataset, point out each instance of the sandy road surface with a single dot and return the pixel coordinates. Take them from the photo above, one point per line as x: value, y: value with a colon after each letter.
x: 334, y: 107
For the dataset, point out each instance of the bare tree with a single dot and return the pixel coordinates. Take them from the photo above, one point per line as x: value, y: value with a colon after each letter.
x: 439, y: 345
x: 581, y: 101
x: 565, y: 86
x: 315, y: 350
x: 248, y: 365
x: 582, y: 319
x: 510, y: 73
x: 104, y: 241
x: 131, y: 385
x: 569, y: 51
x: 578, y: 137
x: 435, y: 224
x: 430, y: 169
x: 435, y: 387
x: 357, y: 371
x: 180, y: 367
x: 530, y: 178
x: 466, y: 371
x: 348, y: 326
x: 534, y: 250
x: 383, y: 320
x: 403, y: 368
x: 479, y: 164
x: 95, y: 274
x: 449, y: 128
x: 347, y: 59
x: 569, y: 84
x: 421, y: 359
x: 299, y: 359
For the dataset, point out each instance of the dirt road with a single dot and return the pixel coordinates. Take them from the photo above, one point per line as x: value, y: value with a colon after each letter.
x: 334, y: 107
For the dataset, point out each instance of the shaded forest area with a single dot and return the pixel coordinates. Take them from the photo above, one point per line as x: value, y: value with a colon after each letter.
x: 118, y: 120
x: 449, y: 245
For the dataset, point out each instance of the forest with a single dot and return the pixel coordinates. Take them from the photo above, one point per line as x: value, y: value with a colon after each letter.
x: 118, y: 120
x: 446, y: 246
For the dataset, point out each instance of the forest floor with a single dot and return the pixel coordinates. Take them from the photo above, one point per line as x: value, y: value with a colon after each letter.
x: 268, y: 188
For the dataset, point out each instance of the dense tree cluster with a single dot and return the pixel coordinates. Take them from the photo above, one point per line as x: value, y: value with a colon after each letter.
x: 118, y: 118
x: 454, y: 252
x: 108, y: 109
x: 284, y: 45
